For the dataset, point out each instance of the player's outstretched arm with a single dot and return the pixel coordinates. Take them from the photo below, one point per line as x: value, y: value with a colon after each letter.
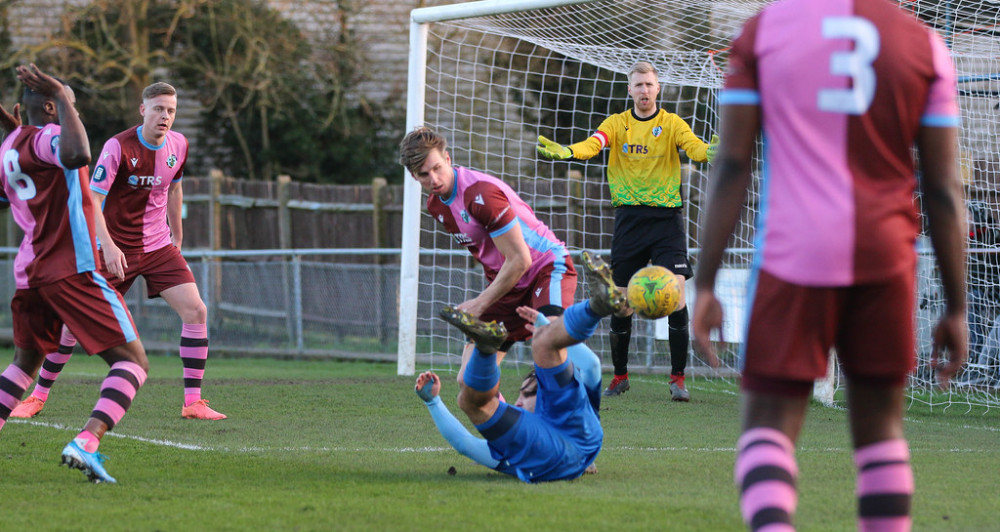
x: 428, y: 388
x: 942, y: 201
x: 553, y: 150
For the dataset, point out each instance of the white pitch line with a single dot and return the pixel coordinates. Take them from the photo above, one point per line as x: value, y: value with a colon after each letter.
x: 419, y: 450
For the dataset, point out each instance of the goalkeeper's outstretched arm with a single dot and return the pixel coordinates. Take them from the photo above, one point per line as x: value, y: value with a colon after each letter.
x: 581, y: 150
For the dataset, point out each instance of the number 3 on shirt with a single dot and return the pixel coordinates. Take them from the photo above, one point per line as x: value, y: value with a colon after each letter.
x: 22, y: 183
x: 855, y: 64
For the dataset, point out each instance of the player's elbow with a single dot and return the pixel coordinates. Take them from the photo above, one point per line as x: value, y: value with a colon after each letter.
x: 74, y: 159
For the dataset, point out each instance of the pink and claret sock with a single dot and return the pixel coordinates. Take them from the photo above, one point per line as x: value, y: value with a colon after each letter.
x: 885, y: 486
x: 194, y: 354
x: 766, y: 474
x: 13, y: 382
x: 117, y: 392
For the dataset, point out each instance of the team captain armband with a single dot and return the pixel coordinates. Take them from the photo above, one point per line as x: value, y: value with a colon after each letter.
x: 592, y: 146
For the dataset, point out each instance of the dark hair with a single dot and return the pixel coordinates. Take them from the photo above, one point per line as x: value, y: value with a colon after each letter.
x: 417, y: 145
x: 528, y: 379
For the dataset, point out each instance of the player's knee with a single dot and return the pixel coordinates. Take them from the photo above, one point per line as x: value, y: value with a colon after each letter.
x: 679, y: 319
x: 470, y: 401
x: 620, y: 324
x: 194, y: 312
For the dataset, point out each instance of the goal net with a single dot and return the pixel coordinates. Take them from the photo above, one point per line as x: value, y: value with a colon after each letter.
x: 494, y: 75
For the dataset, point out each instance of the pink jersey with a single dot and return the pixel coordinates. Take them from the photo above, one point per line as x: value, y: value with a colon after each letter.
x: 50, y: 204
x: 844, y: 86
x: 136, y: 203
x: 482, y: 207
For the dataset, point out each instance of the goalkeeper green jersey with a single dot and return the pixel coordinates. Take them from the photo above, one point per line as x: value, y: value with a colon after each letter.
x: 644, y: 167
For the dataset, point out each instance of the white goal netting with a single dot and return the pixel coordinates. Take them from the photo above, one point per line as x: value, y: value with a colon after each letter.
x: 493, y: 82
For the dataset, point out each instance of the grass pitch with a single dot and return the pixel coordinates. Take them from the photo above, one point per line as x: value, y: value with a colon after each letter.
x: 348, y: 446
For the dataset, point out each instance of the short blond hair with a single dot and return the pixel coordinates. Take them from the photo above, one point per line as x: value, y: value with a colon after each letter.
x: 642, y: 67
x: 158, y: 89
x: 417, y: 145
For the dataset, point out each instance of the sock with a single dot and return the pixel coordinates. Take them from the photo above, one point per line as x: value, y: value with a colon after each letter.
x: 679, y: 341
x: 52, y: 366
x: 117, y: 391
x: 194, y: 353
x: 884, y: 486
x: 13, y: 382
x: 87, y: 441
x: 766, y: 473
x: 620, y: 337
x: 481, y: 373
x: 580, y: 321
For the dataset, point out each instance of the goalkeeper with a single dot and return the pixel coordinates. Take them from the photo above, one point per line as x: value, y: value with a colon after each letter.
x: 644, y: 175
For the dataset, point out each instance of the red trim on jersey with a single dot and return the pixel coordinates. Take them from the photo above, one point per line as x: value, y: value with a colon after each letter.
x: 600, y: 136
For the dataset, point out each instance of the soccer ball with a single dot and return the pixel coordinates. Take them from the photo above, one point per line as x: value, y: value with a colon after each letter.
x: 654, y: 292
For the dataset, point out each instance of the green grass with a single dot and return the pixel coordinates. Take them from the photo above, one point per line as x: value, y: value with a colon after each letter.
x: 314, y: 445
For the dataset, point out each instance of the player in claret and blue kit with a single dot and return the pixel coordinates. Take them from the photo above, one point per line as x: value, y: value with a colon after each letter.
x: 44, y: 181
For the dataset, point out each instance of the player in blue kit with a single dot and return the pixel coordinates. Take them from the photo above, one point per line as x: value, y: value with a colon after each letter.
x: 560, y: 439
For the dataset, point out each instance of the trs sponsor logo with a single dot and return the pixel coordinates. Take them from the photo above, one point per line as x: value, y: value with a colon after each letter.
x: 635, y: 148
x: 143, y: 181
x: 462, y: 239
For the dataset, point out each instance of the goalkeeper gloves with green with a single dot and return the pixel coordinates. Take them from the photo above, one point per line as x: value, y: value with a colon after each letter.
x: 553, y: 150
x: 713, y: 147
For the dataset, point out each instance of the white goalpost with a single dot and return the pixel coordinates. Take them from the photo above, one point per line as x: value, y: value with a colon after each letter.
x: 494, y: 75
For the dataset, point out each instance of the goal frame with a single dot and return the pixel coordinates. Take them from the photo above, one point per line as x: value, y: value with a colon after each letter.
x: 416, y: 84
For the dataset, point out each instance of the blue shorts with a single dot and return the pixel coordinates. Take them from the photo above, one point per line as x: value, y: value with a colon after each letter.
x: 557, y: 441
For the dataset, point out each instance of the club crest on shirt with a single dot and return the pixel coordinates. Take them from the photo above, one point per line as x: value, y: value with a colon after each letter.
x: 656, y: 131
x: 171, y: 161
x: 464, y: 215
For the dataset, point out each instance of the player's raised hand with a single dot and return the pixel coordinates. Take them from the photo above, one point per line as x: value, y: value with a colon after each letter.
x: 428, y: 386
x: 951, y: 348
x: 553, y: 150
x: 707, y: 318
x: 39, y: 81
x: 713, y: 147
x: 9, y: 121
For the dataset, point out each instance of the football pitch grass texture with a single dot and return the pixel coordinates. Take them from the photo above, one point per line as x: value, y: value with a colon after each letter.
x: 348, y: 446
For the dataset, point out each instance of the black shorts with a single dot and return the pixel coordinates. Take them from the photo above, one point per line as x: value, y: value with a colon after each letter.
x: 648, y: 234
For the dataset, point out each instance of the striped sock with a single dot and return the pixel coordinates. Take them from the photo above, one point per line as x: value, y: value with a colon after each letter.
x: 51, y: 368
x: 117, y: 392
x: 194, y: 354
x: 13, y: 382
x: 766, y: 473
x: 885, y: 486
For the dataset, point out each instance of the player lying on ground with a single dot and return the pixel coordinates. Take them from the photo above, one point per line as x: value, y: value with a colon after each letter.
x: 562, y: 437
x: 587, y: 367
